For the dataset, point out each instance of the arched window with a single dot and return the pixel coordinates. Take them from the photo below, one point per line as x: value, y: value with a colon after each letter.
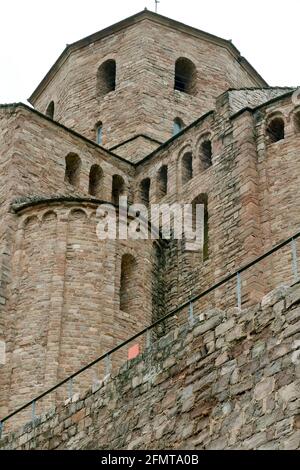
x: 202, y: 199
x: 186, y: 167
x: 205, y: 154
x: 128, y: 283
x: 145, y: 191
x: 106, y: 77
x: 275, y: 130
x: 178, y: 125
x: 118, y: 188
x: 99, y: 133
x: 185, y: 76
x: 50, y: 110
x: 95, y: 180
x: 72, y: 172
x: 162, y: 181
x: 297, y: 122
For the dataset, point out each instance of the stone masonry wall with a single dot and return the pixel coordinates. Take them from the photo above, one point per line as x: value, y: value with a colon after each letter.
x: 144, y: 101
x: 252, y: 189
x: 64, y: 306
x: 230, y: 381
x: 32, y: 164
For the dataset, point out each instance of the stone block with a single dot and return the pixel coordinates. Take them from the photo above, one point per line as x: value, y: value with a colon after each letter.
x: 273, y: 297
x: 289, y: 392
x: 264, y: 388
x: 293, y: 295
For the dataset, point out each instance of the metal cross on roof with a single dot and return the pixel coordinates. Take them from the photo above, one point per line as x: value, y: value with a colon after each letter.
x: 156, y: 5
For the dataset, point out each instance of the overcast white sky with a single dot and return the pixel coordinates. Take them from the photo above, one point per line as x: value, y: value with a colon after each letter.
x: 34, y: 32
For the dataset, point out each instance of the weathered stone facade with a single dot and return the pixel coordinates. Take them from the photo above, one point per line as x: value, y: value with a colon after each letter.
x: 66, y: 297
x: 229, y: 382
x: 145, y: 48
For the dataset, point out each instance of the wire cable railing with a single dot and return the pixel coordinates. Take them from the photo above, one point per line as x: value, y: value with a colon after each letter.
x: 189, y: 303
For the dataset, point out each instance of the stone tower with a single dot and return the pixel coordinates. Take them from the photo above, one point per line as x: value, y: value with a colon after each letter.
x: 161, y: 112
x: 124, y: 77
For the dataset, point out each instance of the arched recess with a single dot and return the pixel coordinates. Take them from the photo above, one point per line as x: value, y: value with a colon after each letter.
x: 31, y: 220
x: 275, y: 129
x: 205, y: 153
x: 145, y: 185
x: 95, y: 180
x: 72, y: 169
x: 297, y: 121
x: 202, y: 199
x: 77, y: 214
x: 162, y: 181
x: 50, y: 110
x: 185, y: 79
x: 49, y: 216
x: 186, y: 167
x: 178, y: 125
x: 106, y: 77
x: 128, y: 284
x: 118, y: 188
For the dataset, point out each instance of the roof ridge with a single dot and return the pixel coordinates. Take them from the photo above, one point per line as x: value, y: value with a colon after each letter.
x: 263, y: 88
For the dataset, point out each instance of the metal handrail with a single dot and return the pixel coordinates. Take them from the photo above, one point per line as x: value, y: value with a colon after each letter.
x: 235, y: 274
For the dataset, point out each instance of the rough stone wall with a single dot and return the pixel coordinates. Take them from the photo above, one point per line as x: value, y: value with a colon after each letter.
x: 230, y: 381
x: 60, y: 288
x: 5, y: 154
x: 145, y: 54
x: 8, y: 132
x: 65, y: 298
x: 252, y: 189
x: 40, y: 149
x: 232, y: 206
x: 277, y: 166
x: 33, y: 151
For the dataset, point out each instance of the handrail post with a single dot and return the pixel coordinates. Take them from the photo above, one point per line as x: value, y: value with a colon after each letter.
x: 148, y: 339
x: 33, y: 415
x: 70, y: 388
x: 191, y: 314
x: 107, y: 365
x: 239, y: 290
x: 294, y: 260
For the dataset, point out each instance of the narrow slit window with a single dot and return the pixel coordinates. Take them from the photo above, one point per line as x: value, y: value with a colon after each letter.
x: 206, y: 154
x: 128, y: 284
x: 187, y: 167
x: 95, y: 180
x: 145, y: 191
x: 162, y: 181
x: 118, y: 188
x: 178, y: 125
x: 99, y: 133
